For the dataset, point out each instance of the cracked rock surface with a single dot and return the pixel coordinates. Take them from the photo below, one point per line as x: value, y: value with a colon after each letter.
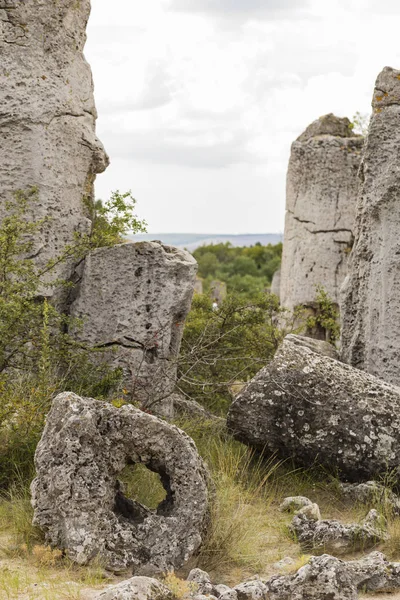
x: 79, y: 503
x: 133, y: 300
x: 317, y: 410
x: 370, y: 297
x: 47, y: 118
x: 321, y: 197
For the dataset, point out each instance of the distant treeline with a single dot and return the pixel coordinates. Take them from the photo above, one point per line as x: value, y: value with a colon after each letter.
x: 246, y: 271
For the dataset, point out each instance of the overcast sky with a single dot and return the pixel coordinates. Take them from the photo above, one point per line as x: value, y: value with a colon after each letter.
x: 199, y: 100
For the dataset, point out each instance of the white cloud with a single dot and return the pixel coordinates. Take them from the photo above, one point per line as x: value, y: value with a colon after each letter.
x: 199, y: 100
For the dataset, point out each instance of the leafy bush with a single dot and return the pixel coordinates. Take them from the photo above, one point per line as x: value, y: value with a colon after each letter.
x: 224, y: 346
x: 326, y: 316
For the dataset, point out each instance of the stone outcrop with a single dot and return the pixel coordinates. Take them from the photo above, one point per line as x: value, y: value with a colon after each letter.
x: 370, y: 304
x: 330, y: 535
x: 320, y: 211
x: 47, y: 119
x: 79, y: 502
x: 133, y: 300
x: 137, y: 588
x: 318, y: 411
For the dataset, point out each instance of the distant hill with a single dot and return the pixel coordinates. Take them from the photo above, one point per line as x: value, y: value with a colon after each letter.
x: 191, y: 241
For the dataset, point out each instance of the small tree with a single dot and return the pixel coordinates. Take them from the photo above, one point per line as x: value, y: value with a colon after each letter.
x: 326, y: 316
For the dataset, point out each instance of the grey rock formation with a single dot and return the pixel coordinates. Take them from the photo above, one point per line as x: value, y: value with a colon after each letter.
x: 317, y: 410
x: 374, y: 573
x: 320, y: 210
x: 370, y: 304
x: 294, y: 503
x: 133, y: 300
x: 78, y: 500
x: 276, y: 283
x: 252, y: 590
x: 332, y: 536
x: 372, y: 493
x: 323, y: 578
x: 202, y: 581
x: 47, y: 118
x: 137, y: 588
x: 311, y: 512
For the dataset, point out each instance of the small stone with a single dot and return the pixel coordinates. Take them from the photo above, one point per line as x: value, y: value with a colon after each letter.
x: 294, y: 503
x: 311, y: 511
x: 220, y: 590
x: 202, y: 581
x: 251, y: 590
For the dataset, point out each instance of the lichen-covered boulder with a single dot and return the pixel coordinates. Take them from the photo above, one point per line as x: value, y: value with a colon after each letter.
x: 370, y: 306
x: 133, y: 300
x: 79, y: 503
x: 47, y: 120
x: 137, y: 588
x: 323, y: 578
x: 318, y: 411
x: 332, y: 536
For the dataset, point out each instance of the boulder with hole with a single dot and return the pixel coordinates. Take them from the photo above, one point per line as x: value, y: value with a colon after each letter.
x: 78, y: 500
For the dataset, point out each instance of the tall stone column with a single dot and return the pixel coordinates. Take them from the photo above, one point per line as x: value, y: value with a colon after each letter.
x: 320, y: 211
x: 371, y: 292
x: 47, y: 117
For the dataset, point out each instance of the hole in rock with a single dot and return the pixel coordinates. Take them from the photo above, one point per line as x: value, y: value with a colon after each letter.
x: 139, y: 488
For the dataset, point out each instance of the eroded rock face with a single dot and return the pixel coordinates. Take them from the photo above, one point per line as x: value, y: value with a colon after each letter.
x: 79, y: 503
x: 370, y: 304
x: 316, y: 410
x: 133, y: 300
x: 47, y: 118
x: 320, y: 210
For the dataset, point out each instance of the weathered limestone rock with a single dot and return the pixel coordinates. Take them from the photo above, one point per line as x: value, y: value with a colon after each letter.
x: 133, y: 300
x: 78, y: 499
x: 332, y: 536
x: 137, y: 588
x: 370, y: 304
x: 47, y: 118
x: 320, y: 211
x: 317, y: 410
x: 323, y: 578
x: 276, y: 283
